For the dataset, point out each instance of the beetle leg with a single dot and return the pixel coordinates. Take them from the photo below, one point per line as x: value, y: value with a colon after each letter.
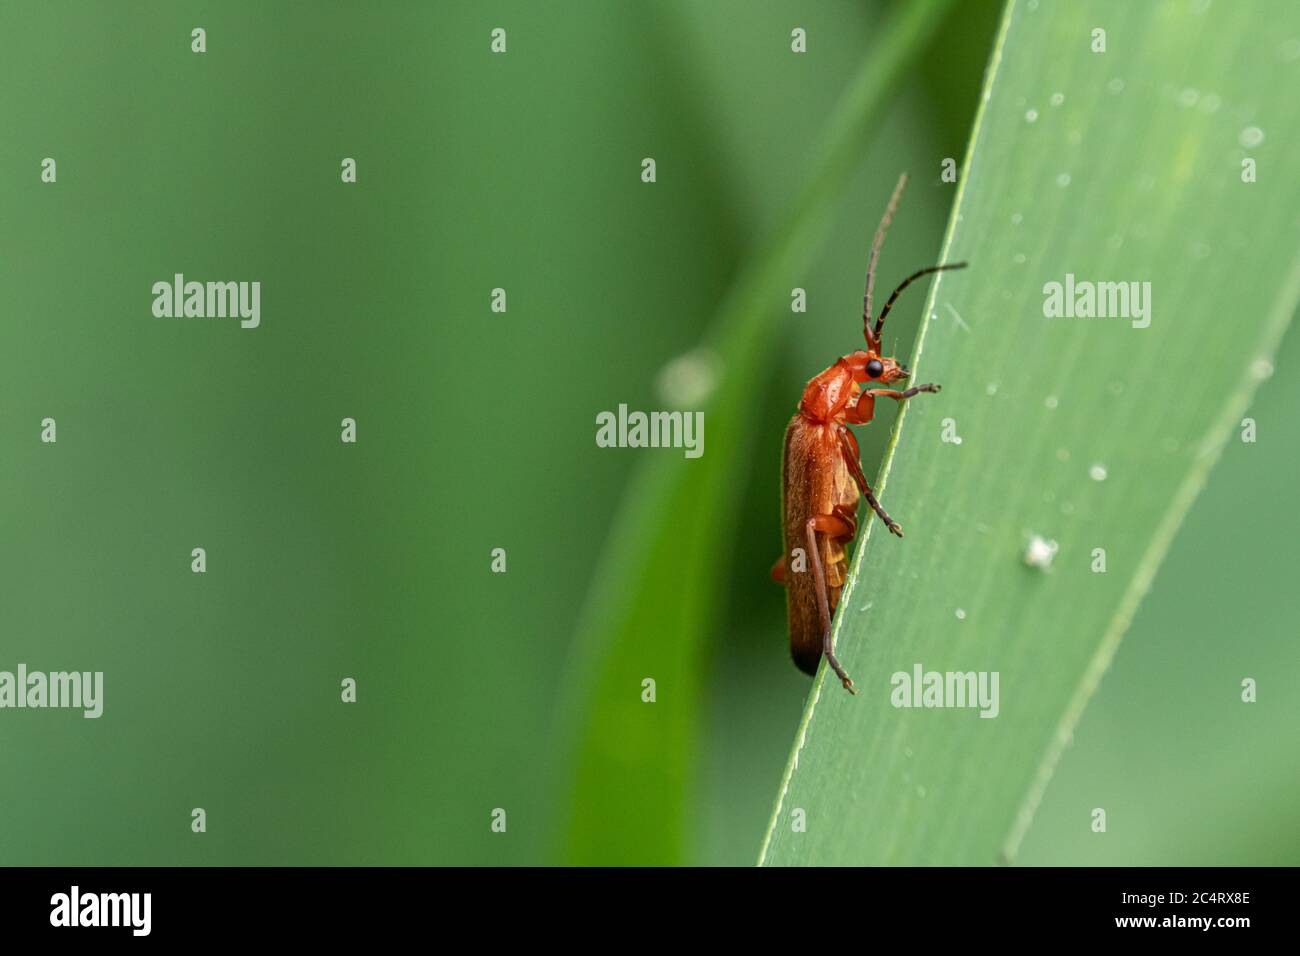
x: 849, y: 515
x: 778, y: 570
x: 861, y: 410
x: 905, y: 393
x: 833, y: 525
x: 849, y: 450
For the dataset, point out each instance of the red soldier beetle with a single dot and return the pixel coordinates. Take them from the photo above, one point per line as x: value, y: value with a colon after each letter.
x: 822, y: 477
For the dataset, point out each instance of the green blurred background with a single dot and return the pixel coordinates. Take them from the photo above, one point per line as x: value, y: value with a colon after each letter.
x: 476, y: 429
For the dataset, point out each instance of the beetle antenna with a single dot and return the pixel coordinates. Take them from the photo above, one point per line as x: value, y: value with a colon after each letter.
x: 906, y: 282
x: 873, y: 340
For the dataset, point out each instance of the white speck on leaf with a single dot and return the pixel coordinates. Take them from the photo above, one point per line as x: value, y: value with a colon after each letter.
x: 1040, y: 552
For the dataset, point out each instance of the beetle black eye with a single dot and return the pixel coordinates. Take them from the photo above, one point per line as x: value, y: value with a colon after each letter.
x: 875, y: 368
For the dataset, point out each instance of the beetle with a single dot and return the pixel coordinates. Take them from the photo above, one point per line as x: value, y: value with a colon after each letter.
x: 822, y: 479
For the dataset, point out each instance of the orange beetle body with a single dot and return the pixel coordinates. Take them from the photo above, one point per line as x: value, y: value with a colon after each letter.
x: 822, y: 479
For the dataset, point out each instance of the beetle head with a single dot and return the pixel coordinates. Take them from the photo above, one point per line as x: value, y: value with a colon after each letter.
x: 869, y: 366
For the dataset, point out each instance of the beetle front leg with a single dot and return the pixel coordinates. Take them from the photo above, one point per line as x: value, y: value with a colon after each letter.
x: 862, y: 409
x: 851, y: 453
x: 905, y: 393
x: 836, y: 527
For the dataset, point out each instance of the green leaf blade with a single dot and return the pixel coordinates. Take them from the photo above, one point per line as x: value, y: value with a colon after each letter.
x: 1087, y: 432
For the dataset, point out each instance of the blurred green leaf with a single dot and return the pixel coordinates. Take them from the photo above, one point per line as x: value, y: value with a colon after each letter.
x: 1123, y: 165
x: 655, y: 595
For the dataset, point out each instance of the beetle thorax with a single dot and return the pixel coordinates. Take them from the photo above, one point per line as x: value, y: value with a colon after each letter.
x: 827, y: 394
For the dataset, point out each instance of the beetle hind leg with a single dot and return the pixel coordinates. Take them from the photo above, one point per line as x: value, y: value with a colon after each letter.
x: 831, y: 525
